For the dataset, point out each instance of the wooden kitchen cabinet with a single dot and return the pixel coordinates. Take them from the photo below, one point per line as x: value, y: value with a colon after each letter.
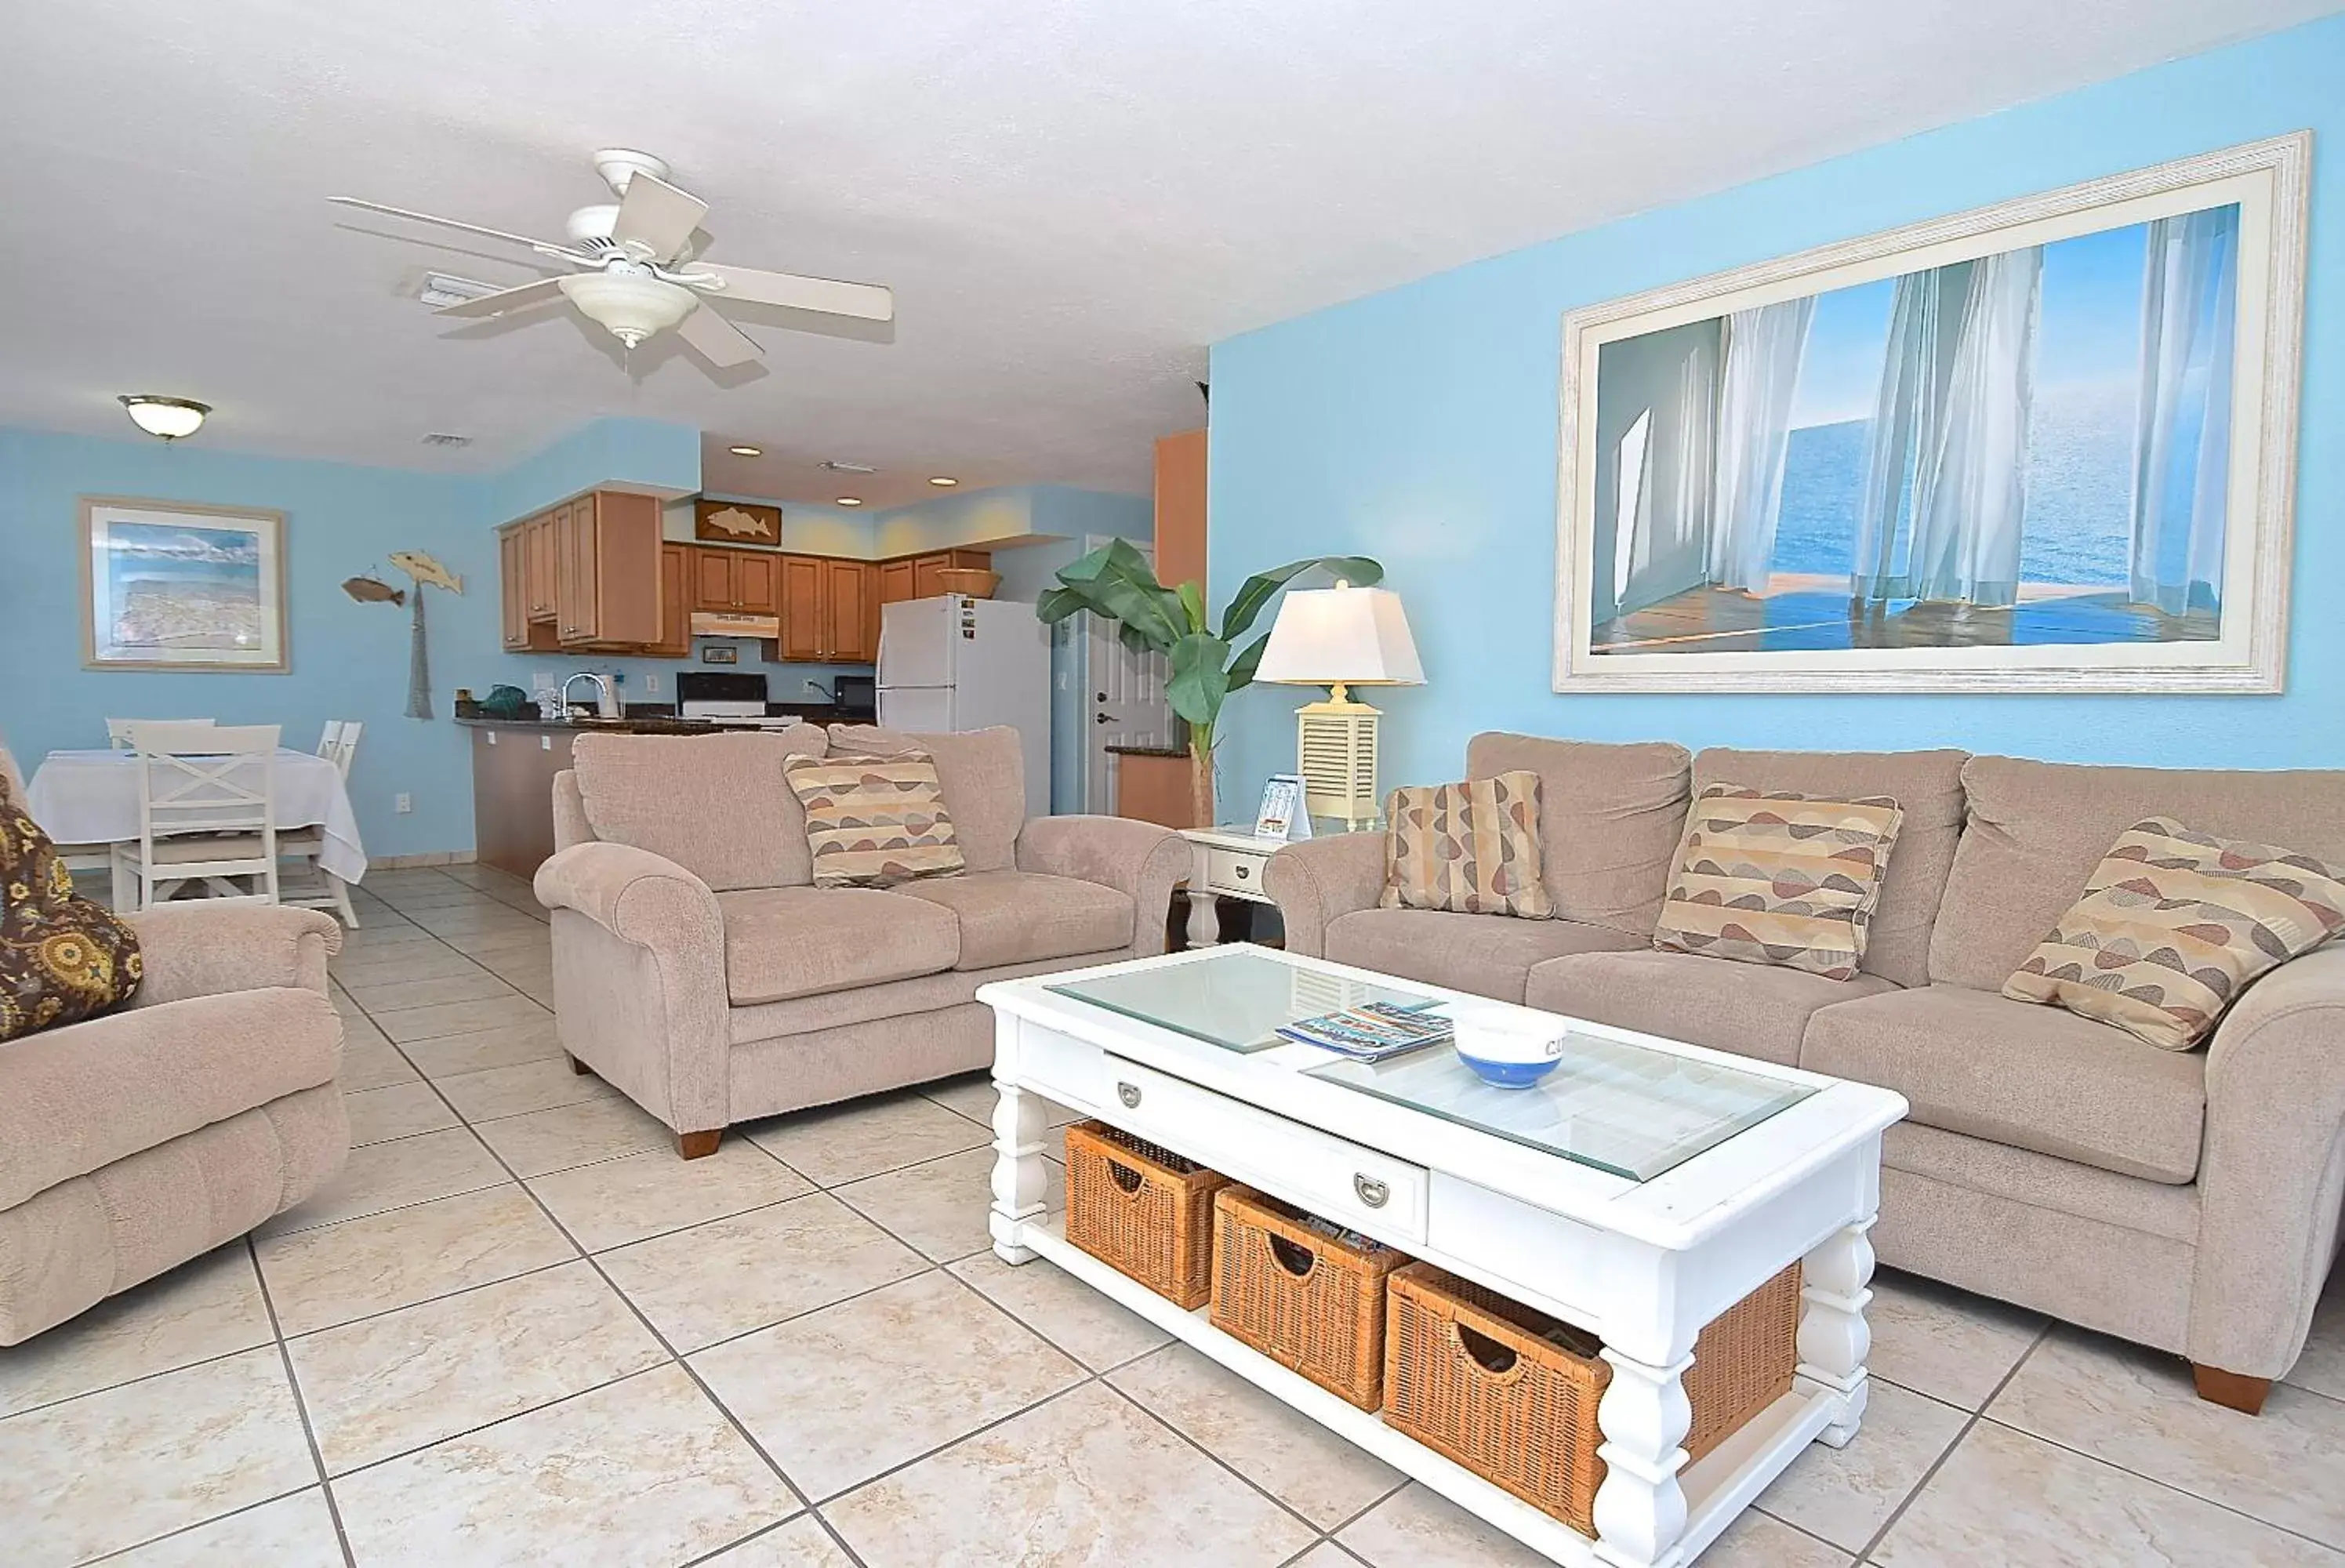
x: 898, y: 581
x: 538, y: 567
x: 735, y: 582
x: 915, y: 576
x: 514, y: 601
x: 676, y: 603
x: 803, y: 617
x: 606, y: 570
x: 848, y: 590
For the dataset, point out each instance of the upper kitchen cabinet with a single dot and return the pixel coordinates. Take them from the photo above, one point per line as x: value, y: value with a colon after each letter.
x: 828, y: 610
x: 735, y: 582
x: 607, y: 579
x: 676, y: 603
x: 915, y: 576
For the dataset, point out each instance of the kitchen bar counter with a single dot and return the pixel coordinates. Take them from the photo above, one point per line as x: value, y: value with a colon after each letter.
x: 515, y: 761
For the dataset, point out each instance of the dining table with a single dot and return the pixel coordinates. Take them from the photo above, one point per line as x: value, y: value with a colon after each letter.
x: 92, y: 797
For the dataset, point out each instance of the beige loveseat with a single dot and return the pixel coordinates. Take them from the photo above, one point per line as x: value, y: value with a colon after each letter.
x: 2185, y: 1201
x: 132, y: 1142
x: 700, y: 972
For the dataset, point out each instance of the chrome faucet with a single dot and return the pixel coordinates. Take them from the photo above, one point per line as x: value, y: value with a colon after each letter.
x: 606, y: 696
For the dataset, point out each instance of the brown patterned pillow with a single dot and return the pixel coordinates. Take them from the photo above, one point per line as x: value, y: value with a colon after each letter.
x: 63, y: 959
x: 1471, y: 848
x: 2172, y: 926
x: 873, y: 822
x: 1778, y: 878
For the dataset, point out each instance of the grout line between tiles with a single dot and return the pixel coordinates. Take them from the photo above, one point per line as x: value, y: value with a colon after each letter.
x: 1970, y: 1419
x: 301, y: 1401
x: 121, y: 1552
x: 1318, y: 1534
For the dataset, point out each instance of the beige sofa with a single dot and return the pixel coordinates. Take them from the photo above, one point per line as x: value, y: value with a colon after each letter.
x: 697, y: 969
x: 132, y: 1142
x: 2185, y: 1201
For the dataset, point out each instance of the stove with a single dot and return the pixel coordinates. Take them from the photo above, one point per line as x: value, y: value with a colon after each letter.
x: 728, y: 697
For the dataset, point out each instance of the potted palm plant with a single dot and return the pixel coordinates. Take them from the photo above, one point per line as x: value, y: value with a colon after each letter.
x: 1115, y: 581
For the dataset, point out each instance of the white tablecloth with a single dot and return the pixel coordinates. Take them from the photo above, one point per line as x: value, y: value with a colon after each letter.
x: 92, y: 797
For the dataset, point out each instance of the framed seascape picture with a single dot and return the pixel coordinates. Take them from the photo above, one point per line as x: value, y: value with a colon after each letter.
x: 173, y: 586
x: 2043, y: 446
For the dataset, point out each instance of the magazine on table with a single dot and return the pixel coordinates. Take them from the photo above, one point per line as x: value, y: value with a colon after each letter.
x: 1373, y: 1030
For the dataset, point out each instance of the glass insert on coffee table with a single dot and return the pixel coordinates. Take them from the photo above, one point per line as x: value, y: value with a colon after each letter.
x: 1235, y: 997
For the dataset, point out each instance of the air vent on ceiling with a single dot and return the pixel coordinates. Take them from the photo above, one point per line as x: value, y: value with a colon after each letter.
x: 443, y: 438
x: 442, y: 290
x: 839, y: 465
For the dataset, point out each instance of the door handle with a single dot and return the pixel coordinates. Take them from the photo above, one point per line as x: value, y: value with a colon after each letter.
x: 1101, y: 719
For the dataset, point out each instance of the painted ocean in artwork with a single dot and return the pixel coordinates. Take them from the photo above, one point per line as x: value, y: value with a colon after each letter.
x: 174, y: 587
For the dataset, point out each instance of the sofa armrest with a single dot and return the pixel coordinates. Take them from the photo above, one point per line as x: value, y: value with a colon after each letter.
x: 1317, y: 880
x: 2271, y: 1177
x: 198, y: 948
x: 639, y: 986
x: 1139, y: 859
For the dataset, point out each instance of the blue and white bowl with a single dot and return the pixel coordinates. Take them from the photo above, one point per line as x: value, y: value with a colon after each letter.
x: 1512, y: 1048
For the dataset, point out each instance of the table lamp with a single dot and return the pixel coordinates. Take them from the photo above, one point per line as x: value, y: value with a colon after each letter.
x: 1340, y: 637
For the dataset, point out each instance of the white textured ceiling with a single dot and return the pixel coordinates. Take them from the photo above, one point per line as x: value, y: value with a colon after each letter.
x: 1071, y: 197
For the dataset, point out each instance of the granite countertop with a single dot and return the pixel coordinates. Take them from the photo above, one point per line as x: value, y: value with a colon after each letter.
x: 662, y: 725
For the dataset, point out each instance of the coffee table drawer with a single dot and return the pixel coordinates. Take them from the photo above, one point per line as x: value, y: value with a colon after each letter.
x: 1332, y: 1177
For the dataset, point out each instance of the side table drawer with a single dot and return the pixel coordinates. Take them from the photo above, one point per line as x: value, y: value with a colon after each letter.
x: 1332, y: 1177
x: 1226, y: 871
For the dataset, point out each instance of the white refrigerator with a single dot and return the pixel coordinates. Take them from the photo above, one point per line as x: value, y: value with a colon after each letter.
x: 957, y: 663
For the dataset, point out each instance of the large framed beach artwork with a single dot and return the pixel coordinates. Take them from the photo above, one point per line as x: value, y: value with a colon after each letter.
x: 2043, y: 446
x: 169, y: 585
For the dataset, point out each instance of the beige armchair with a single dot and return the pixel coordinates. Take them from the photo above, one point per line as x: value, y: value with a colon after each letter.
x: 698, y: 970
x: 132, y: 1142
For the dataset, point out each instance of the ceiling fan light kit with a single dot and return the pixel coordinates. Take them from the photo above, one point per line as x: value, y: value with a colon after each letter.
x: 166, y: 419
x: 636, y: 272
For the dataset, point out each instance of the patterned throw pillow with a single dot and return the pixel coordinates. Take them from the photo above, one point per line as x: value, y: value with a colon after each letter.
x: 1471, y: 848
x: 1778, y: 878
x: 2172, y: 926
x: 873, y: 822
x: 63, y: 959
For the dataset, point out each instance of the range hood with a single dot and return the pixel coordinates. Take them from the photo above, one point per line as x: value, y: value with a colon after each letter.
x: 730, y: 624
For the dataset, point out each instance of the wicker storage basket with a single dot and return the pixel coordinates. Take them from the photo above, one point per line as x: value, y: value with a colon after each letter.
x: 1511, y: 1393
x: 1304, y: 1292
x: 1143, y: 1210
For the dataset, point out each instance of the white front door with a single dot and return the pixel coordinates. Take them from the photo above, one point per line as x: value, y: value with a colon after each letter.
x: 1123, y: 702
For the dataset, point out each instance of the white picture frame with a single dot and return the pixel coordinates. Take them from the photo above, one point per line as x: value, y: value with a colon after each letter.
x: 173, y: 585
x: 2236, y: 642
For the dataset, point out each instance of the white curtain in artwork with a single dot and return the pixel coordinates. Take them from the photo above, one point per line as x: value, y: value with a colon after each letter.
x: 1763, y: 349
x: 1908, y: 418
x: 1970, y: 500
x: 2182, y: 436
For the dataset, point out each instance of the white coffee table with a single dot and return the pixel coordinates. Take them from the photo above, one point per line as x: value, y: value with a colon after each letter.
x: 1638, y: 1192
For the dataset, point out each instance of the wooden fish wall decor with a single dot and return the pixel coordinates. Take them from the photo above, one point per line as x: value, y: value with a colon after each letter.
x: 369, y: 589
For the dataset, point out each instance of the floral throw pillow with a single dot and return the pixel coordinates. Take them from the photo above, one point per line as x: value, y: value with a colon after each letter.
x: 2172, y: 926
x: 63, y: 959
x: 1471, y: 848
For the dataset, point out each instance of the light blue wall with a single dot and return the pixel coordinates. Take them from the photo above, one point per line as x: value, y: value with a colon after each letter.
x: 348, y: 660
x: 1418, y: 425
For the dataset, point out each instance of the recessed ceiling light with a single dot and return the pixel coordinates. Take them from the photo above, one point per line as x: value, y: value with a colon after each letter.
x: 943, y: 480
x: 850, y: 500
x: 747, y: 451
x: 168, y: 418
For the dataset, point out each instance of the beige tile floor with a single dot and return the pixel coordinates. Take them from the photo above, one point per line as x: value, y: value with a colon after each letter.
x: 518, y: 1328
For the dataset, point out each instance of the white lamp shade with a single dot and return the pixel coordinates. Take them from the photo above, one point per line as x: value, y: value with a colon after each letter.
x: 1356, y: 636
x: 630, y: 306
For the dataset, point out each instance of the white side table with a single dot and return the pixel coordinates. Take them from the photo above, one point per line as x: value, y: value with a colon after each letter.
x: 1225, y: 863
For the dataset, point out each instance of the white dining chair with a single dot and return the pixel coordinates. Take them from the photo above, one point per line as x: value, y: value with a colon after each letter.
x: 117, y: 731
x: 206, y: 812
x: 319, y: 888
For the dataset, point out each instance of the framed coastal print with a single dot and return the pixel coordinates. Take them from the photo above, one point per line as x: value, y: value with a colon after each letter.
x: 167, y: 585
x: 2043, y: 446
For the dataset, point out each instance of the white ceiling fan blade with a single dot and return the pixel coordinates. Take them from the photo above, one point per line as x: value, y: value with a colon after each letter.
x: 546, y: 246
x: 504, y: 299
x: 869, y: 301
x: 657, y: 216
x: 717, y: 341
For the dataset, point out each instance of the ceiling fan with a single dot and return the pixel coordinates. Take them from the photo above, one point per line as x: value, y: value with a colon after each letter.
x: 639, y: 271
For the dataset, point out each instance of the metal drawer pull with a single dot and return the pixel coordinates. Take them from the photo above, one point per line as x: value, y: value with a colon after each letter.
x: 1129, y: 1093
x: 1373, y: 1193
x: 1244, y: 872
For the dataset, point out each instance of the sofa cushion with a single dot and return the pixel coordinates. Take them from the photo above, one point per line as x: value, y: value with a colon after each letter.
x: 1974, y: 1062
x: 2037, y: 830
x: 983, y: 773
x: 75, y: 1100
x: 1752, y: 1009
x: 1610, y: 817
x: 874, y: 822
x: 2173, y: 925
x: 1477, y: 952
x: 716, y: 806
x: 1778, y: 878
x: 782, y: 942
x: 1471, y: 847
x: 1928, y: 789
x: 1018, y: 917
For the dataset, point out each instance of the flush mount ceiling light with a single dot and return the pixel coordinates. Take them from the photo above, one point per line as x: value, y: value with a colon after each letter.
x: 943, y: 480
x: 850, y: 500
x: 747, y: 451
x: 167, y: 417
x: 630, y: 306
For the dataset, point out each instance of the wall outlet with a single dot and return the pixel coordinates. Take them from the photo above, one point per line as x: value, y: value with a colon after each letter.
x: 651, y: 683
x: 402, y: 803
